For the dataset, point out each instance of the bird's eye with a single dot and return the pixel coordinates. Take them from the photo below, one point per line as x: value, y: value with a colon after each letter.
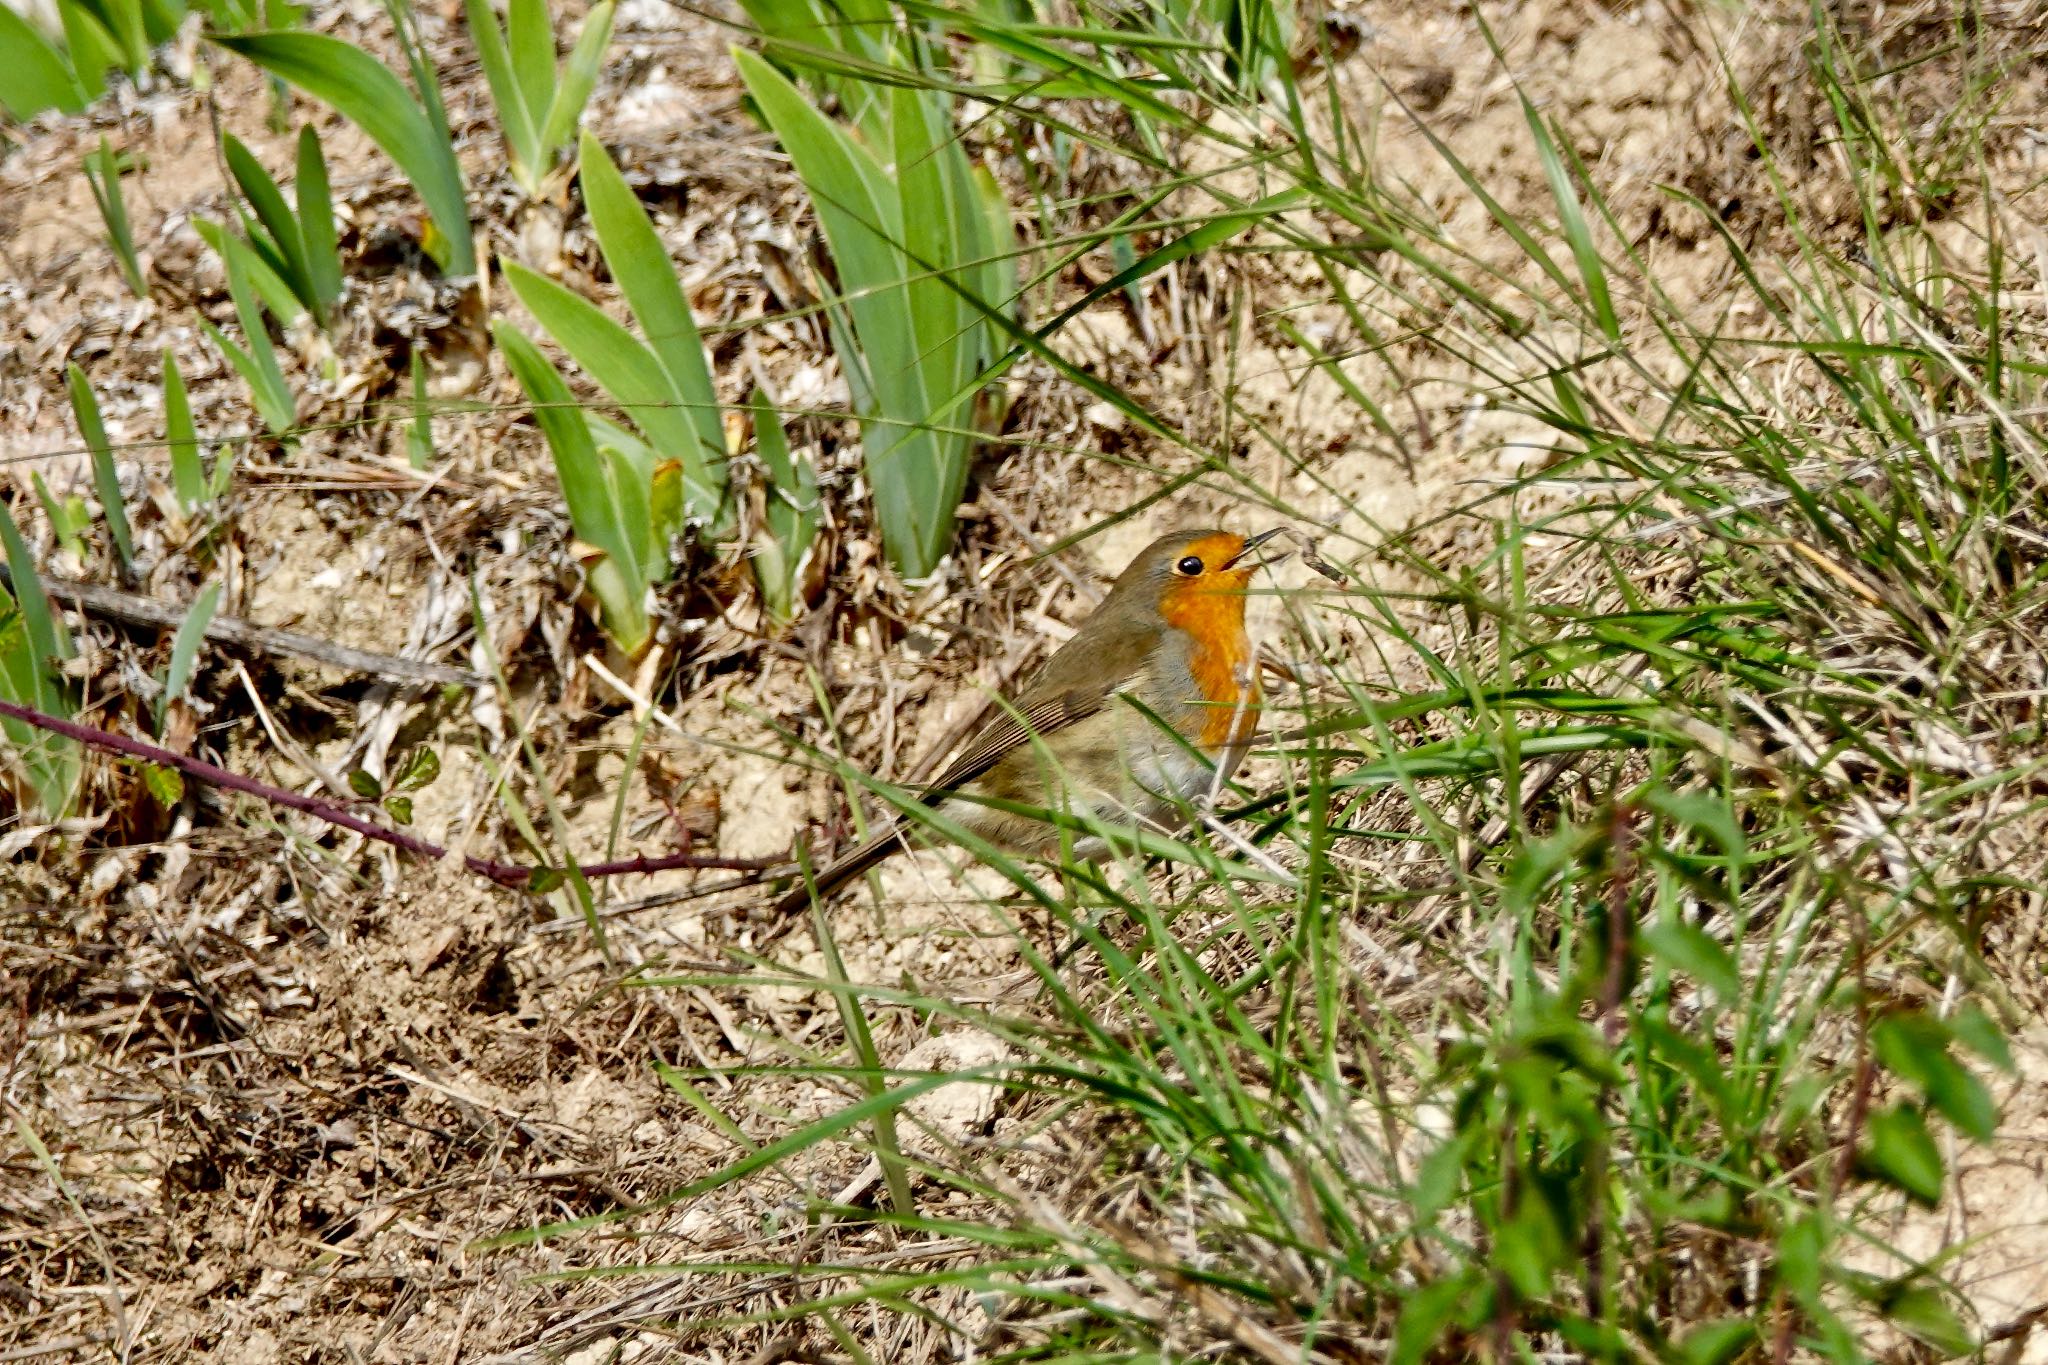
x: 1190, y: 566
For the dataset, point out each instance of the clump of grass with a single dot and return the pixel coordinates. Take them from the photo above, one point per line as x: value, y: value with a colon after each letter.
x: 922, y: 245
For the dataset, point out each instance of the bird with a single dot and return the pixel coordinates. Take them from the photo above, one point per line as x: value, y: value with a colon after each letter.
x: 1154, y: 696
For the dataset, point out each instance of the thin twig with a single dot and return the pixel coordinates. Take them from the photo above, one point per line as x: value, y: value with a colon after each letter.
x: 505, y: 874
x: 231, y: 630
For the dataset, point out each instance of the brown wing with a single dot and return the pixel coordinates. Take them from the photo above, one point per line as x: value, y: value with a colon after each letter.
x: 1076, y: 682
x: 1013, y: 729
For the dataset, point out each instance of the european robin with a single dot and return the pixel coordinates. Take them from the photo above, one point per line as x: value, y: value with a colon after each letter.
x: 1154, y: 695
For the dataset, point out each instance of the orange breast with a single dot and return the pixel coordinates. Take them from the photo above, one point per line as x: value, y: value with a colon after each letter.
x: 1219, y: 654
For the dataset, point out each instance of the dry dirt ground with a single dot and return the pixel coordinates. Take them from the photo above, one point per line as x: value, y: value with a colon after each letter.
x: 287, y: 1082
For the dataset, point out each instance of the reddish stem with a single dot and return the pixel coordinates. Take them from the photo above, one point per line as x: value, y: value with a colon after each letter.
x: 505, y: 874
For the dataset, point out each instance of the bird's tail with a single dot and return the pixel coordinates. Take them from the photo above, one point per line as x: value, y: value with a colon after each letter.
x: 829, y: 879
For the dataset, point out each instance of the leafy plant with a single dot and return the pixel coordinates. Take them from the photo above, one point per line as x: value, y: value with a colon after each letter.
x: 255, y: 361
x: 790, y: 512
x: 410, y: 130
x: 103, y: 173
x: 921, y: 246
x: 33, y: 645
x: 297, y: 248
x: 669, y: 471
x: 537, y: 109
x: 608, y: 482
x: 1601, y: 988
x: 663, y: 384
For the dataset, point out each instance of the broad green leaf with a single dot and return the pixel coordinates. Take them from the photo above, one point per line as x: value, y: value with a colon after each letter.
x: 1426, y: 1314
x: 531, y: 44
x: 89, y: 47
x: 366, y: 92
x: 35, y: 76
x: 1973, y: 1029
x: 641, y: 266
x: 613, y: 356
x: 597, y: 506
x: 1914, y: 1046
x: 418, y: 769
x: 316, y: 224
x: 1710, y: 815
x: 1690, y: 949
x: 280, y: 224
x: 166, y: 786
x: 1900, y: 1151
x: 106, y: 480
x: 1717, y: 1341
x: 188, y: 477
x: 1923, y: 1312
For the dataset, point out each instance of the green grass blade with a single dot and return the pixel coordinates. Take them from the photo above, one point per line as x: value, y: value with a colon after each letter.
x: 103, y: 174
x: 530, y: 40
x: 185, y: 650
x: 317, y: 237
x: 641, y: 266
x: 106, y: 480
x: 30, y: 648
x: 280, y: 225
x: 579, y: 77
x: 515, y: 119
x: 366, y: 92
x: 1586, y: 255
x: 188, y: 477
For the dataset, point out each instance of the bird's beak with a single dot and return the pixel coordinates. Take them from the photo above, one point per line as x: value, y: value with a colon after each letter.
x: 1254, y: 543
